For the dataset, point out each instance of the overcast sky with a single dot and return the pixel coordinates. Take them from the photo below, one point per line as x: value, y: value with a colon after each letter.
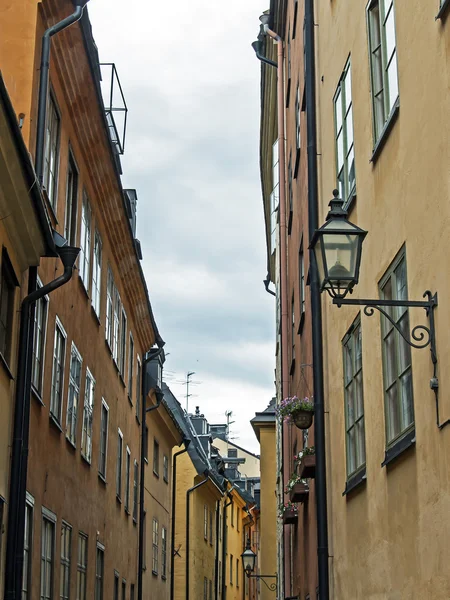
x: 191, y: 82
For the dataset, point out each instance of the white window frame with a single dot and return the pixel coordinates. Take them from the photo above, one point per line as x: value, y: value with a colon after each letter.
x: 85, y: 241
x: 28, y: 548
x: 104, y: 411
x: 138, y: 388
x: 97, y: 273
x: 127, y: 479
x: 119, y: 464
x: 40, y: 338
x: 99, y: 572
x: 155, y: 546
x: 47, y: 561
x: 135, y: 490
x: 130, y: 367
x: 110, y: 287
x: 82, y: 559
x: 344, y: 136
x: 64, y: 578
x: 70, y: 217
x: 57, y: 414
x: 274, y: 198
x: 73, y: 399
x: 52, y: 150
x: 123, y: 342
x: 117, y: 318
x: 163, y: 552
x: 88, y: 416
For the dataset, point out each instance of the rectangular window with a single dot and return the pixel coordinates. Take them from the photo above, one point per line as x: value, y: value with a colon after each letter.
x: 85, y: 242
x: 205, y: 588
x: 123, y: 343
x: 88, y: 414
x: 109, y: 308
x: 59, y: 355
x: 237, y: 572
x: 130, y: 367
x: 99, y: 572
x: 210, y: 590
x: 210, y: 527
x: 135, y: 491
x: 231, y: 569
x: 155, y: 457
x: 74, y: 395
x: 138, y: 389
x: 82, y: 566
x: 238, y: 518
x: 116, y: 586
x: 166, y: 468
x: 290, y: 195
x: 205, y: 522
x: 97, y: 273
x: 27, y: 554
x: 302, y: 287
x: 164, y: 553
x: 127, y: 479
x: 289, y: 65
x: 232, y: 515
x: 298, y: 109
x: 124, y: 589
x: 103, y: 439
x: 119, y: 464
x: 47, y: 558
x: 354, y: 399
x: 51, y: 151
x: 383, y: 61
x: 66, y: 539
x: 343, y: 128
x: 40, y: 328
x: 274, y: 199
x: 397, y: 369
x: 8, y: 284
x: 116, y: 326
x: 132, y: 592
x: 155, y: 547
x: 70, y: 221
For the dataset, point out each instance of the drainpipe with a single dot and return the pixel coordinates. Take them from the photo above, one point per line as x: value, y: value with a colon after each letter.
x: 188, y: 493
x: 186, y: 442
x: 43, y: 84
x: 21, y: 426
x: 316, y: 308
x: 145, y: 409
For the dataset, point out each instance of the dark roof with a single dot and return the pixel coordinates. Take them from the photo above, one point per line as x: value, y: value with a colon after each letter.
x: 28, y: 171
x: 267, y: 416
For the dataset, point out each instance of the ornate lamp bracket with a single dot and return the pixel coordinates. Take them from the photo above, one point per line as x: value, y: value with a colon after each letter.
x: 270, y: 586
x: 421, y: 335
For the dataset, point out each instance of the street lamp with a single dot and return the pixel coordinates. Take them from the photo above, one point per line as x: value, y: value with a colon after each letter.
x: 249, y: 563
x: 337, y: 249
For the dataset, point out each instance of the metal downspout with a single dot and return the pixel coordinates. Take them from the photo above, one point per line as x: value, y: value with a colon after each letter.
x: 186, y: 442
x: 189, y: 491
x: 21, y: 426
x: 316, y: 308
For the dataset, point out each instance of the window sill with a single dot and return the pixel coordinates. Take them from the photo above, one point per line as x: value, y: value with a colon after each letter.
x: 102, y: 478
x: 443, y: 9
x: 134, y: 521
x: 166, y: 480
x: 355, y: 481
x: 163, y: 577
x: 291, y: 216
x: 292, y: 369
x: 50, y: 207
x: 54, y: 421
x: 138, y: 419
x: 297, y: 163
x: 95, y: 315
x: 83, y: 287
x: 122, y: 380
x: 127, y: 511
x: 386, y: 131
x: 5, y: 366
x: 400, y: 446
x: 108, y: 346
x: 118, y: 498
x: 348, y: 206
x: 155, y: 573
x: 146, y: 460
x: 130, y: 400
x: 72, y: 444
x: 86, y: 459
x: 37, y: 395
x: 301, y: 324
x: 155, y: 474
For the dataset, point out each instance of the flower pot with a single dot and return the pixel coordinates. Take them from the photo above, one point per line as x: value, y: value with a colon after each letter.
x: 307, y: 466
x: 303, y: 418
x: 290, y: 516
x: 299, y: 492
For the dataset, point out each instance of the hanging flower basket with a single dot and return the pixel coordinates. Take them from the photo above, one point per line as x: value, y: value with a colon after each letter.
x: 299, y: 492
x: 289, y: 513
x: 299, y: 411
x: 306, y: 461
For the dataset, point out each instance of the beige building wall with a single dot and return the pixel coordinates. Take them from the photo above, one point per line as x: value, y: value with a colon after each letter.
x: 235, y: 546
x: 251, y: 466
x: 268, y: 516
x: 389, y: 537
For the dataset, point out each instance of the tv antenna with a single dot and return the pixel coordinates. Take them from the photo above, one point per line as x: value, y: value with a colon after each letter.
x: 229, y: 414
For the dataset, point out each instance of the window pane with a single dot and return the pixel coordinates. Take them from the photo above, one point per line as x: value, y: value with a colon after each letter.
x: 390, y: 35
x: 407, y: 399
x: 393, y: 425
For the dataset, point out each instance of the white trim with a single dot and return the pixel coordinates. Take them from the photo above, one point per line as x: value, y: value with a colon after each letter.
x: 30, y: 499
x: 49, y: 515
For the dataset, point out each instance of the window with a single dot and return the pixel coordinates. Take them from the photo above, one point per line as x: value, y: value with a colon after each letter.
x: 231, y: 569
x: 123, y: 343
x: 354, y: 399
x: 155, y: 457
x: 205, y: 588
x: 293, y: 332
x: 47, y: 555
x: 166, y: 468
x: 103, y: 439
x: 88, y: 414
x: 146, y: 444
x: 124, y: 589
x: 127, y: 480
x: 8, y: 283
x: 294, y: 24
x: 109, y: 308
x: 138, y: 389
x: 232, y: 453
x: 288, y: 75
x: 397, y: 369
x: 74, y: 395
x: 27, y: 554
x: 132, y: 592
x: 274, y: 199
x: 210, y: 527
x: 59, y: 355
x: 99, y: 572
x: 85, y: 242
x: 237, y: 572
x: 164, y: 553
x: 66, y: 539
x: 51, y: 151
x: 119, y: 464
x: 116, y: 326
x: 232, y: 515
x: 70, y: 221
x: 205, y: 522
x: 343, y: 128
x: 302, y: 287
x: 238, y: 518
x: 383, y: 62
x: 97, y: 273
x: 155, y: 547
x: 290, y: 195
x: 298, y: 139
x: 135, y: 491
x: 210, y: 590
x: 116, y: 585
x: 40, y: 328
x: 82, y: 566
x: 130, y: 367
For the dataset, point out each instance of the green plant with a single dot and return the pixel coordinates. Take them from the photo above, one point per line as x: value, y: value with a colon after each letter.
x: 287, y: 506
x: 294, y: 479
x: 292, y: 405
x: 307, y: 451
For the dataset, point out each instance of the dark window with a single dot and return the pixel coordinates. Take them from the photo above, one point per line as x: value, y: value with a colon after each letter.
x: 99, y: 571
x: 232, y: 453
x: 155, y: 458
x: 166, y: 468
x: 290, y: 195
x: 70, y: 221
x: 116, y: 585
x: 135, y: 491
x: 51, y: 151
x: 8, y: 284
x: 27, y: 555
x: 40, y: 327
